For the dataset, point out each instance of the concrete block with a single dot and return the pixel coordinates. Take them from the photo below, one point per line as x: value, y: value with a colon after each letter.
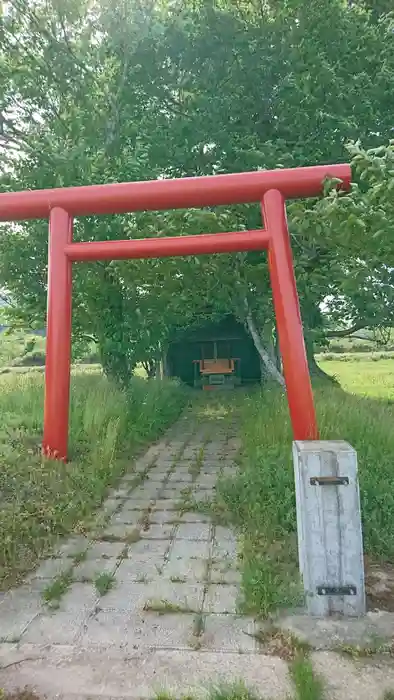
x: 90, y: 569
x: 190, y: 549
x: 126, y: 595
x: 81, y: 598
x: 329, y: 527
x: 137, y: 504
x: 140, y: 568
x: 171, y: 493
x: 223, y: 571
x: 224, y: 534
x: 110, y: 505
x: 125, y: 517
x: 194, y: 531
x: 161, y: 531
x: 163, y: 517
x: 224, y: 549
x: 370, y: 631
x: 73, y: 546
x: 166, y: 596
x: 346, y: 680
x: 140, y: 674
x: 139, y: 630
x: 105, y: 550
x: 55, y: 628
x: 187, y: 569
x: 149, y: 547
x: 18, y: 609
x: 121, y: 492
x: 226, y: 633
x: 51, y: 568
x: 166, y: 504
x: 120, y: 531
x: 194, y: 518
x: 148, y: 492
x: 156, y: 477
x: 221, y: 599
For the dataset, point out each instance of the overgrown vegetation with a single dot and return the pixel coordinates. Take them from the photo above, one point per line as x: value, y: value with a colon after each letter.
x: 260, y: 500
x: 42, y: 500
x: 308, y: 685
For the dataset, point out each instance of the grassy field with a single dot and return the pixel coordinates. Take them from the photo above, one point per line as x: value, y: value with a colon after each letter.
x: 261, y: 499
x: 40, y: 500
x: 20, y: 347
x: 365, y: 376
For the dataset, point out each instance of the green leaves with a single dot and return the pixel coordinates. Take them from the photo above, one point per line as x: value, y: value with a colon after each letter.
x: 105, y: 93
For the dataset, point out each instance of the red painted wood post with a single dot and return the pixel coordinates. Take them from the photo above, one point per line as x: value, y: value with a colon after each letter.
x: 58, y: 346
x: 287, y: 310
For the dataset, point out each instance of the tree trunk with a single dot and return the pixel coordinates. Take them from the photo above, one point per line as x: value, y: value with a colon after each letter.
x: 267, y: 361
x: 150, y: 367
x: 314, y: 369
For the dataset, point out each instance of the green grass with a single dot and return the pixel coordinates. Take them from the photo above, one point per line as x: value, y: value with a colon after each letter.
x: 166, y: 606
x: 104, y: 582
x: 222, y: 691
x: 40, y: 500
x: 260, y: 500
x: 363, y: 376
x: 308, y: 685
x: 55, y: 591
x: 18, y: 345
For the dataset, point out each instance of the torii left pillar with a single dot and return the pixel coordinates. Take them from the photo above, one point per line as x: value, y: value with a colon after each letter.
x: 58, y: 351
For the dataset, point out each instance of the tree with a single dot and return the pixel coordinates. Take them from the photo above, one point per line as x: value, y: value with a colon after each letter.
x: 135, y: 91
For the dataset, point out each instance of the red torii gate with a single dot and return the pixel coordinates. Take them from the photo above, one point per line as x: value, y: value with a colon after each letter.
x: 270, y: 188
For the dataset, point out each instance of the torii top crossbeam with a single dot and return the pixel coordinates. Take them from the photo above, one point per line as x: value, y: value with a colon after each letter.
x: 207, y: 191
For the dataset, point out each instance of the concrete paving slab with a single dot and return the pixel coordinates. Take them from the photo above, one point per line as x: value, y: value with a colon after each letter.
x: 194, y: 518
x: 58, y: 627
x: 166, y: 596
x: 120, y: 532
x: 79, y: 598
x: 126, y: 595
x: 166, y: 504
x: 161, y: 517
x: 186, y: 569
x: 143, y: 634
x: 224, y: 549
x: 345, y: 679
x: 223, y: 571
x: 142, y: 673
x: 194, y: 531
x: 160, y: 531
x: 333, y: 632
x: 171, y: 493
x: 90, y: 569
x: 189, y: 549
x: 150, y: 548
x: 221, y: 599
x: 51, y: 568
x: 134, y: 630
x: 229, y: 633
x: 140, y: 568
x: 73, y: 546
x: 125, y: 517
x: 104, y: 550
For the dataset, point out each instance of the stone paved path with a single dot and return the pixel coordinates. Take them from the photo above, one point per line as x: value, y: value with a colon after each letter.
x: 170, y: 619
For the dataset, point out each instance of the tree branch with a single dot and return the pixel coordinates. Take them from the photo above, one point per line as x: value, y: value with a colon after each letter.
x: 345, y: 332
